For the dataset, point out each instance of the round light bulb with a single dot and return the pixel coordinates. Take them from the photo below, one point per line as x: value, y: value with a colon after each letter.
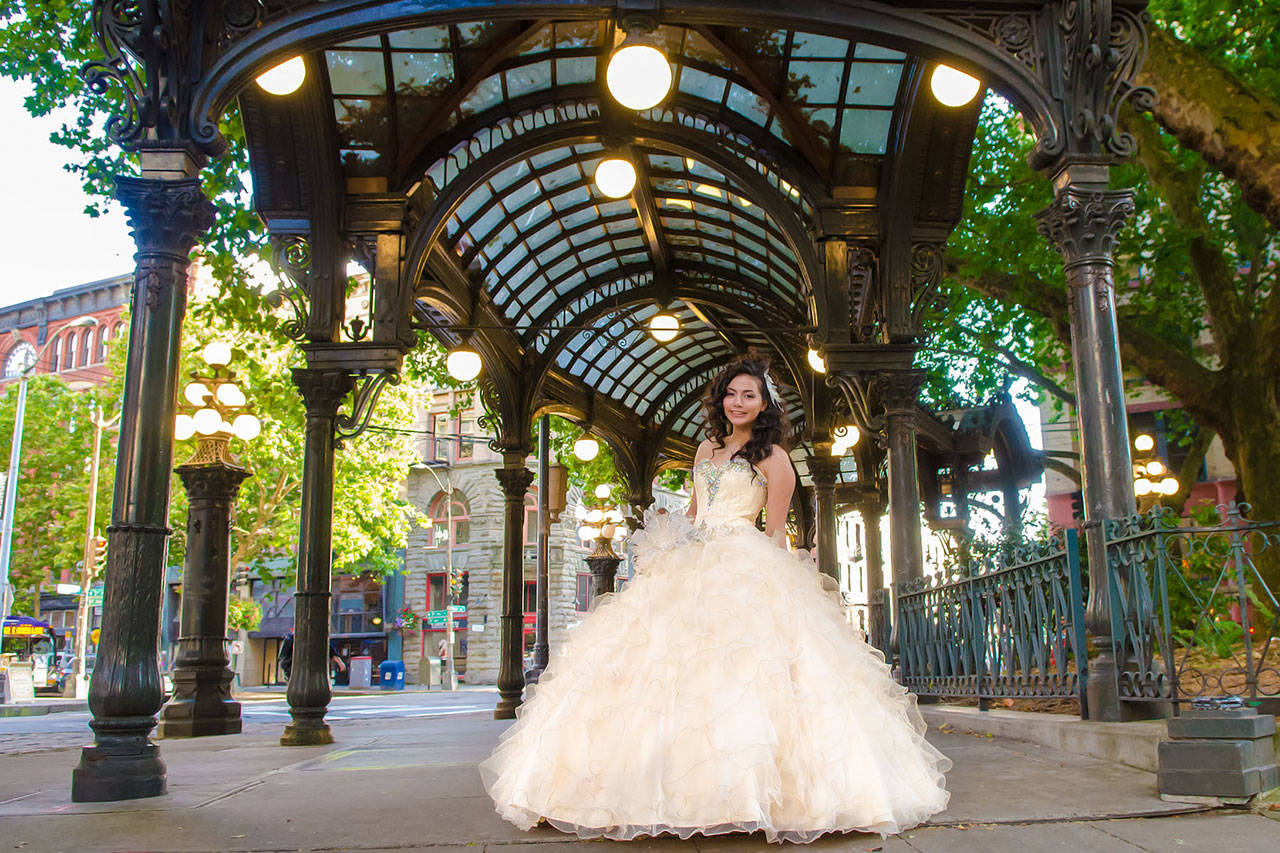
x: 218, y: 354
x: 608, y: 530
x: 588, y: 531
x: 614, y: 515
x: 183, y: 427
x: 638, y: 75
x: 953, y: 88
x: 285, y: 78
x: 595, y: 516
x: 580, y: 512
x: 664, y: 327
x: 207, y: 421
x: 246, y: 427
x: 603, y: 491
x: 1144, y: 443
x: 817, y: 362
x: 586, y: 448
x: 463, y: 364
x: 230, y: 395
x: 196, y: 393
x: 1169, y: 485
x: 615, y: 177
x: 1142, y: 487
x: 1155, y: 468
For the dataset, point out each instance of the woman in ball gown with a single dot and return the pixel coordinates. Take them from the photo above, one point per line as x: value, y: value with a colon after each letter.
x: 724, y: 690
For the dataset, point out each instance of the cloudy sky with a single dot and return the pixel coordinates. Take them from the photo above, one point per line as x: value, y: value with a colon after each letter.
x: 48, y: 241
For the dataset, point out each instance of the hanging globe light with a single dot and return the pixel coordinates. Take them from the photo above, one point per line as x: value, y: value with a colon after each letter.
x: 207, y: 421
x: 196, y: 393
x: 285, y: 78
x: 183, y: 427
x: 1155, y: 468
x: 463, y: 363
x: 603, y: 491
x: 246, y: 427
x: 1144, y: 443
x: 586, y: 447
x: 664, y: 327
x: 953, y: 88
x: 230, y: 395
x: 1143, y: 487
x: 217, y: 354
x: 615, y: 177
x: 816, y: 361
x: 1169, y: 485
x: 638, y: 75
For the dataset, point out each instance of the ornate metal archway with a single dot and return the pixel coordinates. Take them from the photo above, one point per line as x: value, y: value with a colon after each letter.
x: 795, y: 191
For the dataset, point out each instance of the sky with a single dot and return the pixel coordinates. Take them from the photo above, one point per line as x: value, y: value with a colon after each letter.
x: 47, y: 241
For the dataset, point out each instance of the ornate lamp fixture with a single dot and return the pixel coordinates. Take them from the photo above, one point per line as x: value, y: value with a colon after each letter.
x: 215, y: 410
x: 602, y: 524
x: 953, y: 88
x: 285, y: 78
x: 587, y: 447
x: 638, y: 74
x: 816, y: 361
x: 463, y: 362
x: 843, y: 438
x: 664, y: 326
x: 1151, y: 476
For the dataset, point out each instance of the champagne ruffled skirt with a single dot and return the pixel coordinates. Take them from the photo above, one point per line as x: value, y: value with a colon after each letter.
x: 722, y: 691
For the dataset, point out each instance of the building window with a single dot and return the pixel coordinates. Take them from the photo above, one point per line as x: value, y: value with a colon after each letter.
x: 465, y: 429
x: 530, y: 596
x: 436, y: 587
x: 531, y: 516
x: 582, y: 598
x: 70, y: 360
x: 357, y: 604
x: 438, y: 527
x: 442, y: 439
x: 100, y: 354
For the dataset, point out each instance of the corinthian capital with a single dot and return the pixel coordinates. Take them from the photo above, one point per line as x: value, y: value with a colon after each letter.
x: 1083, y: 224
x: 514, y: 481
x: 899, y: 390
x: 166, y: 216
x: 322, y: 390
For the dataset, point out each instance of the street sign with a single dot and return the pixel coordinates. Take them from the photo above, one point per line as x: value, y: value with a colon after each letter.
x: 95, y: 596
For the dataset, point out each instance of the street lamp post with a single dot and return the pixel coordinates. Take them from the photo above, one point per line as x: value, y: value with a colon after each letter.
x: 202, y: 703
x: 15, y: 453
x: 90, y: 555
x: 603, y: 526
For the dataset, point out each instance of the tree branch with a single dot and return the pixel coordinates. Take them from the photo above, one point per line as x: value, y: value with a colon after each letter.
x: 1214, y: 113
x: 1062, y: 468
x: 1189, y: 471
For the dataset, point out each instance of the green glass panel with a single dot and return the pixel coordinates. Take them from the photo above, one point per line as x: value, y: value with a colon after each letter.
x: 571, y: 70
x: 871, y: 51
x: 477, y: 33
x: 748, y: 104
x: 700, y: 84
x: 374, y: 42
x: 697, y: 47
x: 865, y: 131
x: 362, y: 122
x: 873, y: 84
x: 422, y: 74
x: 815, y: 82
x: 823, y: 120
x: 353, y: 72
x: 538, y: 42
x: 577, y: 34
x: 422, y: 38
x: 529, y: 78
x: 363, y: 163
x: 485, y: 95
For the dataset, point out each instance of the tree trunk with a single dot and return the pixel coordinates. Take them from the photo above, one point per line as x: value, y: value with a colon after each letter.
x: 1253, y: 446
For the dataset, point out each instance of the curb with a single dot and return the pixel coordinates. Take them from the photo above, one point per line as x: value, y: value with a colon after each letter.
x: 37, y: 709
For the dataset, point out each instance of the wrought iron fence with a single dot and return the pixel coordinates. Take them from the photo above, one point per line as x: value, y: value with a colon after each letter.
x: 1191, y: 613
x: 1009, y: 625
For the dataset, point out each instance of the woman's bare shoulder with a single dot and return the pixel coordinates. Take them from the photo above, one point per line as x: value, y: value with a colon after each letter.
x: 704, y: 450
x: 777, y: 460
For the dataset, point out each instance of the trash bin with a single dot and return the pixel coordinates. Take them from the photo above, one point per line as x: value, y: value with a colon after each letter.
x: 391, y: 674
x: 361, y: 672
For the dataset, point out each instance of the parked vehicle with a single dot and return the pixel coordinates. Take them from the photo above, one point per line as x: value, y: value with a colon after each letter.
x: 30, y: 639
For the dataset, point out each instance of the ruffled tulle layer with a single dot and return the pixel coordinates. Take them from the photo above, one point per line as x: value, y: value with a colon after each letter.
x: 722, y: 691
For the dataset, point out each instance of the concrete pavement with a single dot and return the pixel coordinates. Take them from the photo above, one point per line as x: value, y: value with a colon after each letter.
x: 409, y: 783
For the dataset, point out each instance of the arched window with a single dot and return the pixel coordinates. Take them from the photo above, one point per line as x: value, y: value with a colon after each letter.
x: 531, y: 516
x: 86, y: 347
x: 101, y: 352
x: 55, y: 352
x: 438, y: 527
x: 69, y: 354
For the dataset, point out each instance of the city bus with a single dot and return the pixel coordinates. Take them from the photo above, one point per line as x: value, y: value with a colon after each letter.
x: 30, y: 639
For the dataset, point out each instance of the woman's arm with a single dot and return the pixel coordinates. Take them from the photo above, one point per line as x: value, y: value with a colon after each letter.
x: 782, y: 483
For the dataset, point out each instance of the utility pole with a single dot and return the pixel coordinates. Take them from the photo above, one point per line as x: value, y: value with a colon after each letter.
x: 90, y: 553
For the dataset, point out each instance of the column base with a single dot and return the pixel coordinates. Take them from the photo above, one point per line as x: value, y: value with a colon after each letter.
x: 307, y: 731
x: 1102, y: 691
x: 119, y: 768
x: 506, y: 709
x: 199, y: 718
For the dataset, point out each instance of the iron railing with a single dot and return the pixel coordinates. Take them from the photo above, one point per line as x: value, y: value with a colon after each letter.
x: 1009, y: 625
x: 1191, y: 613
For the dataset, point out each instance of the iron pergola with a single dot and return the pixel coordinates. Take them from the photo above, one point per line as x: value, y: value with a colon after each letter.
x: 794, y: 191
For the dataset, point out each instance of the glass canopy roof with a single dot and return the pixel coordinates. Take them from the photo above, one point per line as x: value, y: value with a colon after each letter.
x: 577, y: 274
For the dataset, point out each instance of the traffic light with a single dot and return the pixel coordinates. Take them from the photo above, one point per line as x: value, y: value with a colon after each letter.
x: 1077, y: 506
x: 99, y: 556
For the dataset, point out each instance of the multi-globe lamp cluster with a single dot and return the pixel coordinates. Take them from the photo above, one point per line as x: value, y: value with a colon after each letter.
x: 638, y: 76
x: 217, y: 403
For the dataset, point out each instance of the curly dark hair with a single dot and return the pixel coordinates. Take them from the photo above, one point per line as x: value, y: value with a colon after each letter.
x: 770, y: 424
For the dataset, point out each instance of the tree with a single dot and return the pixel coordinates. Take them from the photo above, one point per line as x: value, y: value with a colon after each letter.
x: 1198, y: 306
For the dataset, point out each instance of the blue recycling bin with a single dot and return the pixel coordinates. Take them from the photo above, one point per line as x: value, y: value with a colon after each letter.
x: 391, y: 674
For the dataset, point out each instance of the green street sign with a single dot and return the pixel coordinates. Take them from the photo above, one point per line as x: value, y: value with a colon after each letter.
x: 95, y: 596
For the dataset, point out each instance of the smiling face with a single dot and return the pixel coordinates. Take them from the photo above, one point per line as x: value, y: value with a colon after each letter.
x: 743, y: 400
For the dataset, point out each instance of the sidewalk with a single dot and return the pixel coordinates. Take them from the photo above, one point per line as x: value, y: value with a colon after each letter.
x: 411, y: 784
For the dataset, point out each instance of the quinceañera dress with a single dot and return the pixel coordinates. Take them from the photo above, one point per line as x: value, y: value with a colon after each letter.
x: 722, y: 691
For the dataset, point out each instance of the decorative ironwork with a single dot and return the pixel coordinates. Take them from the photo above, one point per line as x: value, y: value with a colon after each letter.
x: 1084, y: 225
x: 1005, y: 625
x: 1191, y: 613
x: 368, y: 388
x: 926, y: 274
x: 291, y: 257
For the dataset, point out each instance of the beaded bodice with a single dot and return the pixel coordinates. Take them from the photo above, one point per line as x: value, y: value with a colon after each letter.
x: 728, y: 491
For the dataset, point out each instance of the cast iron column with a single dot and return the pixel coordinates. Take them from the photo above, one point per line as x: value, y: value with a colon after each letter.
x: 898, y: 390
x: 308, y: 693
x: 514, y: 479
x: 167, y: 217
x: 872, y: 511
x: 823, y: 471
x: 604, y: 576
x: 1083, y: 223
x: 541, y: 640
x: 202, y: 703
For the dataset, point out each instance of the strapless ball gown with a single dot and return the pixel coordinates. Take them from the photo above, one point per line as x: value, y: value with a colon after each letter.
x: 723, y: 690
